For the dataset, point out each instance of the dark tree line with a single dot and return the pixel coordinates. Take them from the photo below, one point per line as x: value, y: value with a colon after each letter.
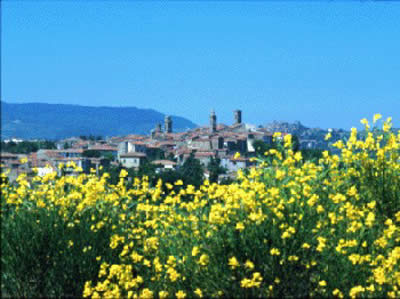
x: 26, y: 147
x: 191, y: 172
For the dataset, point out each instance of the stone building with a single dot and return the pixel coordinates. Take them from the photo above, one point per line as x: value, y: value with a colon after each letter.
x: 168, y: 124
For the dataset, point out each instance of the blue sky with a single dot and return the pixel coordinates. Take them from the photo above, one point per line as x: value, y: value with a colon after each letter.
x: 327, y: 64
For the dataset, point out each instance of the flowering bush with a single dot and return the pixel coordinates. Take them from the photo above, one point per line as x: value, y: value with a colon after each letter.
x: 287, y: 228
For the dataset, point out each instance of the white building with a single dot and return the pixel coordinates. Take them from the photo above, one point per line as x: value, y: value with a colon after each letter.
x: 132, y: 159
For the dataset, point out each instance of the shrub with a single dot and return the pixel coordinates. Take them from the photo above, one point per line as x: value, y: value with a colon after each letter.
x: 286, y: 228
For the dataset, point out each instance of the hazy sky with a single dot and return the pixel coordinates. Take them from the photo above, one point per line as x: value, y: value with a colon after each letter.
x: 327, y: 64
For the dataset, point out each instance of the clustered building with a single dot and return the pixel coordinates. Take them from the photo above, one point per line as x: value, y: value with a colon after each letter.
x: 163, y: 147
x: 204, y: 143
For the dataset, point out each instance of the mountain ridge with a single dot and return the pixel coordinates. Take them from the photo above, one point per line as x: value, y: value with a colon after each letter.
x: 57, y: 121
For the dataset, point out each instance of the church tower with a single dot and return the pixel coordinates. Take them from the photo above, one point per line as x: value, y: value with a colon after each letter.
x: 168, y: 124
x: 213, y: 122
x: 238, y: 116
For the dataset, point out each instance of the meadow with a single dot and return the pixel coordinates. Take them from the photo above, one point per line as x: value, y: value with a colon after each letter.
x: 287, y: 227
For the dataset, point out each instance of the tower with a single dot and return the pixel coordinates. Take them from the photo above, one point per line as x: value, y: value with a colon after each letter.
x: 158, y: 128
x: 238, y: 116
x: 168, y: 124
x: 213, y: 122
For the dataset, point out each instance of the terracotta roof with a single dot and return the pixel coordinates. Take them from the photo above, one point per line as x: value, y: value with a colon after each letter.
x: 71, y: 150
x: 204, y: 154
x: 15, y: 162
x: 135, y: 137
x: 200, y: 139
x: 153, y: 145
x: 8, y: 155
x: 241, y: 159
x: 133, y: 155
x: 69, y: 159
x: 52, y: 154
x: 103, y: 148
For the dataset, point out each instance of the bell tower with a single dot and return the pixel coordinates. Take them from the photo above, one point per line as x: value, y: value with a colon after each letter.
x: 168, y: 124
x: 238, y: 116
x: 213, y: 122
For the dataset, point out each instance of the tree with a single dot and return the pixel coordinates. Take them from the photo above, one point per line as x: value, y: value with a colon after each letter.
x: 261, y: 147
x: 215, y: 169
x: 311, y: 154
x: 91, y: 154
x: 192, y: 171
x: 295, y: 143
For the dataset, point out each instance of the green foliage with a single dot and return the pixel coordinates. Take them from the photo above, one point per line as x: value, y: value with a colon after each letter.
x: 38, y: 259
x: 91, y: 154
x: 66, y: 145
x: 26, y: 147
x: 155, y: 154
x: 215, y: 169
x: 311, y: 154
x: 192, y: 171
x: 261, y: 147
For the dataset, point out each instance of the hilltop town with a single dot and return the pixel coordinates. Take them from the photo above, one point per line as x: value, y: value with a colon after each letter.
x: 163, y: 147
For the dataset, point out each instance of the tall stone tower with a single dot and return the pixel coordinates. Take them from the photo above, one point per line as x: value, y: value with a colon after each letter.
x: 213, y: 122
x: 158, y: 128
x: 168, y: 124
x: 238, y: 116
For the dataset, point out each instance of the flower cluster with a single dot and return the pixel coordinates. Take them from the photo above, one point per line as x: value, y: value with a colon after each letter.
x: 285, y: 228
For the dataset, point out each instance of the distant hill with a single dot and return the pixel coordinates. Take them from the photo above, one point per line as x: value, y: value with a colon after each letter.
x: 56, y: 121
x: 312, y: 138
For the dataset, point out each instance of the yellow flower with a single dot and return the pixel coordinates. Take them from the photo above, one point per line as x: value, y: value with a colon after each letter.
x: 233, y: 262
x: 123, y: 173
x: 146, y: 293
x: 239, y: 226
x: 287, y: 140
x: 337, y: 293
x: 248, y: 264
x: 236, y: 156
x: 163, y: 294
x: 179, y: 183
x: 24, y: 160
x: 203, y: 261
x: 298, y: 156
x: 377, y: 117
x: 364, y: 121
x: 275, y: 251
x: 277, y: 134
x: 180, y: 294
x: 328, y: 136
x: 280, y: 174
x: 195, y: 251
x: 322, y: 283
x: 355, y: 290
x: 199, y: 293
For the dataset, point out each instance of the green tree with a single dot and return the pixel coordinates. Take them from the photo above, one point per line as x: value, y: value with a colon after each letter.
x: 261, y: 147
x: 311, y: 154
x: 192, y: 171
x: 215, y: 169
x: 91, y: 154
x: 295, y: 143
